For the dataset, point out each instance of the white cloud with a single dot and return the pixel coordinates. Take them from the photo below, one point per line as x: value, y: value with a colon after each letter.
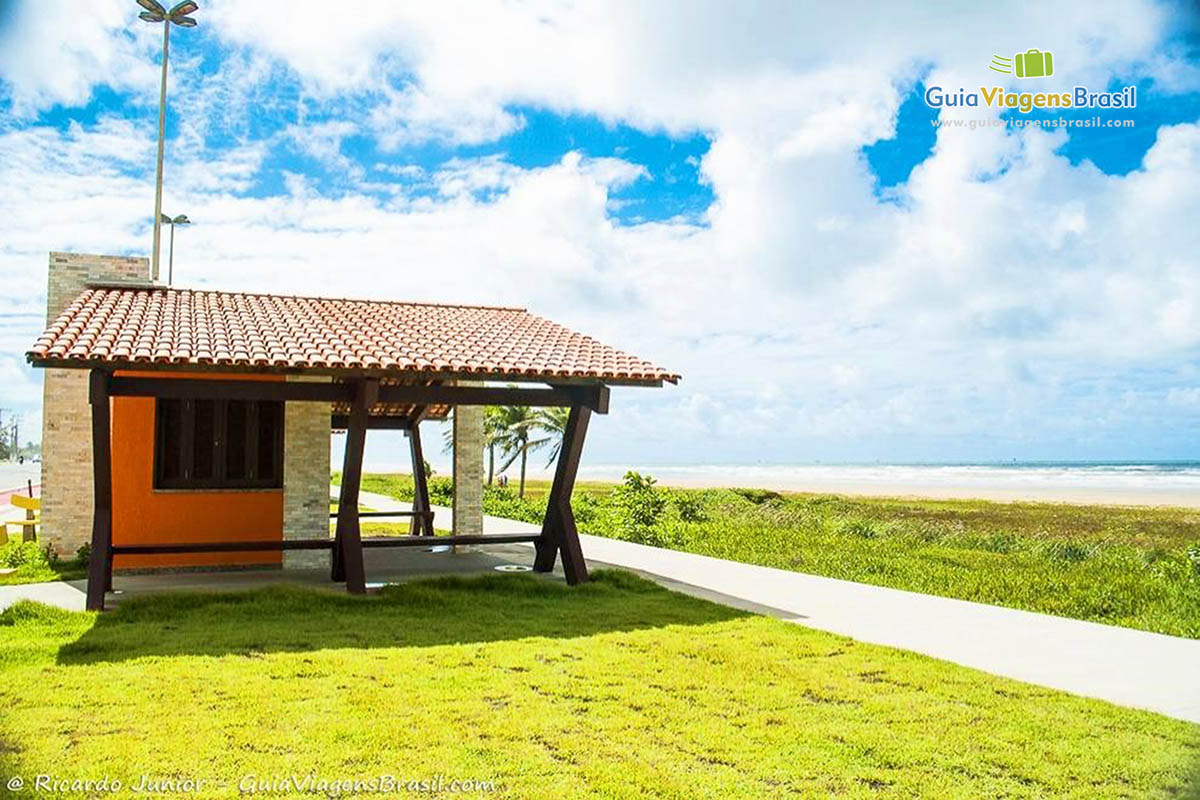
x: 1187, y: 397
x: 411, y: 115
x: 55, y: 51
x: 679, y: 66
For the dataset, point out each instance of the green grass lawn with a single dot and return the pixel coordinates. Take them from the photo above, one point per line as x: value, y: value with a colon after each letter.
x: 29, y: 563
x: 43, y: 573
x: 369, y: 527
x: 616, y: 688
x: 1137, y: 567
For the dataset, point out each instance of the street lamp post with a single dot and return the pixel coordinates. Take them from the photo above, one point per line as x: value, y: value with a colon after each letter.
x: 182, y: 219
x: 155, y: 12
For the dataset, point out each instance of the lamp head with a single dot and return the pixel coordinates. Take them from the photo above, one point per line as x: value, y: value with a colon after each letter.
x: 182, y: 219
x: 154, y: 11
x: 179, y: 14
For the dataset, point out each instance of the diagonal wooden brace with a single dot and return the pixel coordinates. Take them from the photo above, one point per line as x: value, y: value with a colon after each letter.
x: 347, y: 548
x: 422, y: 524
x: 559, y: 533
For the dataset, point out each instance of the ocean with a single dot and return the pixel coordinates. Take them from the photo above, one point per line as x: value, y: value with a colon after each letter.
x: 1136, y: 482
x: 1174, y: 483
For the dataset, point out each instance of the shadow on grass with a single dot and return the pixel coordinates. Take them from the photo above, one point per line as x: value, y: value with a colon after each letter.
x: 451, y: 610
x: 1191, y: 791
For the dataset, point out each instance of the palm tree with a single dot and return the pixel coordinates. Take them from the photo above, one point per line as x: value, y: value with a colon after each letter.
x: 553, y: 422
x: 492, y: 428
x: 493, y: 425
x: 515, y: 429
x: 516, y: 423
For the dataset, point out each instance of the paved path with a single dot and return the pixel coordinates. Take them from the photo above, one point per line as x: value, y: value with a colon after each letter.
x: 70, y: 596
x: 13, y: 475
x: 7, y: 494
x: 1121, y: 665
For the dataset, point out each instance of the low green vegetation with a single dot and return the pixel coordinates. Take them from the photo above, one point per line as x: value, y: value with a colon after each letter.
x: 29, y: 562
x: 616, y: 688
x: 371, y: 527
x: 1137, y: 567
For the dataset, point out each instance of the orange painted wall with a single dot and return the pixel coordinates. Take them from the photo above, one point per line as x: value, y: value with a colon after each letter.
x: 143, y: 515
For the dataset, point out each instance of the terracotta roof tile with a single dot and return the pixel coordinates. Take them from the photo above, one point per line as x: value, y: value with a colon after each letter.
x: 138, y: 326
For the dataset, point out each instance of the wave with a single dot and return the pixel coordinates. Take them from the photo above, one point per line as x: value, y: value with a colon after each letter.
x: 1171, y: 477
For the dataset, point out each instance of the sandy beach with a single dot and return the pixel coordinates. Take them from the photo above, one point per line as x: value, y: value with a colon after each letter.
x: 1127, y: 485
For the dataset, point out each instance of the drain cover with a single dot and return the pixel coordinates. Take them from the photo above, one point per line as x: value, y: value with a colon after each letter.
x: 513, y: 568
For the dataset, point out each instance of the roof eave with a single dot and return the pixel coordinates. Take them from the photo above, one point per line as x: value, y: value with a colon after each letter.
x: 271, y: 369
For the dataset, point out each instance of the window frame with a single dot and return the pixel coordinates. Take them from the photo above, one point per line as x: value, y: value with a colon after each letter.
x: 218, y: 481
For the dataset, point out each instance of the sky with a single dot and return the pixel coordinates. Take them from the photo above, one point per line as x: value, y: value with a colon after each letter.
x: 754, y: 195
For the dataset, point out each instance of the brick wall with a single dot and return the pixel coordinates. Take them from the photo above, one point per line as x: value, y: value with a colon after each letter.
x: 306, y: 479
x: 468, y: 469
x: 66, y: 416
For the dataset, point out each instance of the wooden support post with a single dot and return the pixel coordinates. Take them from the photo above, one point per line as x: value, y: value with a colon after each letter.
x: 559, y: 534
x: 29, y: 532
x: 421, y: 523
x: 347, y: 548
x: 100, y: 564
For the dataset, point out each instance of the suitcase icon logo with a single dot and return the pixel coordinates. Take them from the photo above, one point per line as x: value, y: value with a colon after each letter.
x: 1033, y: 63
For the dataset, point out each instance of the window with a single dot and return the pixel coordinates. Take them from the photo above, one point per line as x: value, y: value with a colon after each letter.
x: 218, y: 444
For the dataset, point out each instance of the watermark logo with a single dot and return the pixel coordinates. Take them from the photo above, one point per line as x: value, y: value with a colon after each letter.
x: 1033, y: 63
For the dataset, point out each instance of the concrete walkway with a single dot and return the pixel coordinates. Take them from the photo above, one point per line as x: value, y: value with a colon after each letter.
x: 1120, y: 665
x: 71, y: 596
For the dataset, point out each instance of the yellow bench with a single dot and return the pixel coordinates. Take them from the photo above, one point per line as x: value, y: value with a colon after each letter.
x: 33, y: 518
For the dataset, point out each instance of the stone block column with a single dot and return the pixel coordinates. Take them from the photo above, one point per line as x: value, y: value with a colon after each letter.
x: 468, y: 469
x: 306, y: 435
x: 66, y: 416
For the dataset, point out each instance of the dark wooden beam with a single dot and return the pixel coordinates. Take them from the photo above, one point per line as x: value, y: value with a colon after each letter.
x: 466, y: 538
x: 265, y: 545
x: 271, y: 545
x: 559, y: 533
x: 100, y: 563
x: 599, y: 402
x: 422, y: 521
x: 594, y: 397
x: 191, y: 389
x: 419, y: 413
x: 347, y: 554
x: 348, y: 374
x: 342, y: 421
x: 364, y: 514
